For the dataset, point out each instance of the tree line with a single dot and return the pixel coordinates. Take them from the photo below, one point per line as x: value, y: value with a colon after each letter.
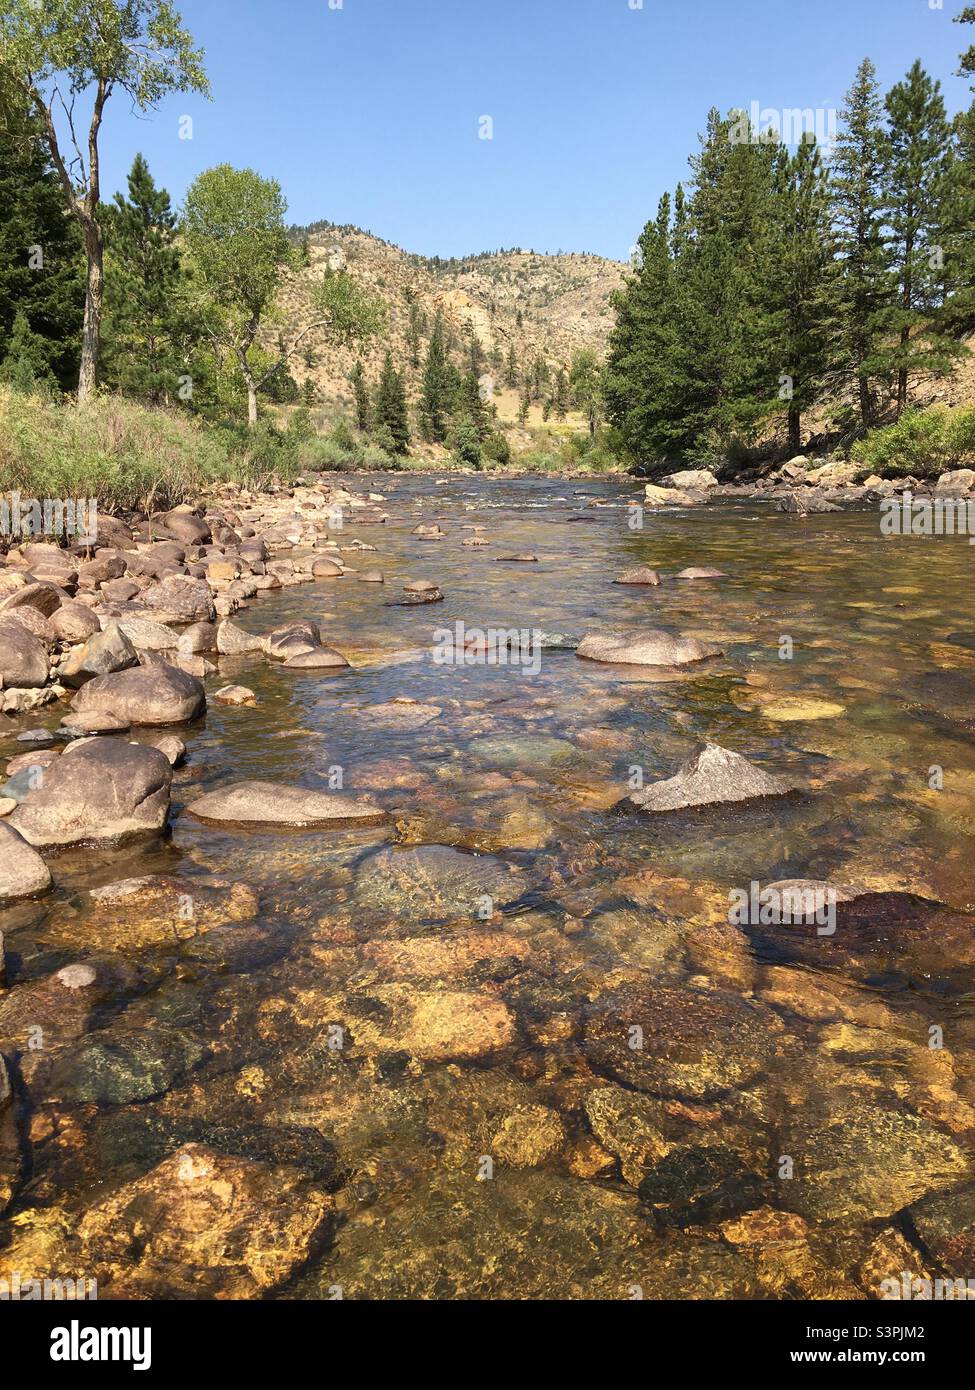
x: 783, y: 279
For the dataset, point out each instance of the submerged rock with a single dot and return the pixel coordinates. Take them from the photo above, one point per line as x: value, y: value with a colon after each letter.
x: 268, y: 803
x: 112, y: 1067
x: 203, y: 1224
x: 640, y: 574
x: 715, y: 775
x: 682, y: 1043
x: 435, y: 883
x: 651, y: 647
x: 864, y: 1161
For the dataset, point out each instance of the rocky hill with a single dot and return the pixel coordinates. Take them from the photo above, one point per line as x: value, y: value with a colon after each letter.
x: 548, y: 306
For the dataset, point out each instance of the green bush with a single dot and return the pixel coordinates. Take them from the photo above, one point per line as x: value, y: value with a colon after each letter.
x: 922, y: 443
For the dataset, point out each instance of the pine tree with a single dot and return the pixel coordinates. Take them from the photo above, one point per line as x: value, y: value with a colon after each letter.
x: 512, y: 372
x: 524, y: 405
x: 41, y: 259
x: 26, y: 366
x: 641, y: 366
x: 916, y: 190
x: 145, y: 325
x: 804, y: 318
x: 357, y: 378
x: 967, y: 68
x: 435, y: 386
x: 560, y: 394
x: 956, y: 316
x: 417, y: 325
x: 857, y: 192
x: 391, y: 409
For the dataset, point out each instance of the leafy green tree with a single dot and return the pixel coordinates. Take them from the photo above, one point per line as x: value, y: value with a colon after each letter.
x: 146, y: 321
x: 41, y: 260
x: 586, y: 385
x: 916, y: 189
x: 858, y: 199
x: 435, y: 387
x: 55, y: 52
x: 363, y: 408
x: 240, y: 253
x: 25, y: 365
x: 391, y: 408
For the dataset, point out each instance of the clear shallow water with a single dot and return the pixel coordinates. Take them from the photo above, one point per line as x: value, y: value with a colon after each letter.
x: 611, y: 1168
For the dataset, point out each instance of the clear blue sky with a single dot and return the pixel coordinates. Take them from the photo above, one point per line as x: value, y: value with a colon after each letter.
x: 369, y: 113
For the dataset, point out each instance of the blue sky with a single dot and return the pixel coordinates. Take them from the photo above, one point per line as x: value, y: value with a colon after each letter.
x: 368, y: 113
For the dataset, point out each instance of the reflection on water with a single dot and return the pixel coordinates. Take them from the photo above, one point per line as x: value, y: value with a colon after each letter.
x: 515, y: 1035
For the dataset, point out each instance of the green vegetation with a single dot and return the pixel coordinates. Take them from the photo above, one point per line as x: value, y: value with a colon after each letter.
x: 921, y: 444
x: 776, y: 286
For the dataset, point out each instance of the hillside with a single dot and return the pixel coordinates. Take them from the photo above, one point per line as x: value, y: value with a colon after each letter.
x: 539, y: 305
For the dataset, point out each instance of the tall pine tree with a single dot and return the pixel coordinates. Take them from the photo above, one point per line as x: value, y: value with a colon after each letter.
x: 435, y: 386
x: 916, y: 190
x: 391, y: 408
x: 146, y: 323
x: 857, y: 190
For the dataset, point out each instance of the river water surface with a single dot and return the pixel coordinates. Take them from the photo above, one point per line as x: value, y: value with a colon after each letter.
x: 515, y: 1033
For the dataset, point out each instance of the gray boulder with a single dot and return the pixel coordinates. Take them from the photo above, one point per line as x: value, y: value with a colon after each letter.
x: 156, y: 694
x: 23, y: 873
x: 267, y: 803
x: 714, y: 775
x: 101, y: 789
x: 651, y: 647
x: 103, y: 654
x: 24, y: 661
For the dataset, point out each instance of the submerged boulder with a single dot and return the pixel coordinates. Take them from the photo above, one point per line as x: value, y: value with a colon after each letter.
x: 268, y: 803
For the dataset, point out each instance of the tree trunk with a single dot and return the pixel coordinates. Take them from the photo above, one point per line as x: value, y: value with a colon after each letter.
x: 866, y: 406
x: 902, y: 377
x: 251, y: 405
x: 795, y: 430
x: 91, y: 332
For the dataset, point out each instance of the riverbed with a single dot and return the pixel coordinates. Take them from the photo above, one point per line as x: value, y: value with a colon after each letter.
x: 515, y: 1039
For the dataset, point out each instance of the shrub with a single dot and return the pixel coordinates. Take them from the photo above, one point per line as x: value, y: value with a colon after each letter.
x: 128, y: 457
x: 922, y: 443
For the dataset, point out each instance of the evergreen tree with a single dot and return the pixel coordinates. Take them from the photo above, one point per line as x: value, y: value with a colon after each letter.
x: 512, y: 373
x: 585, y: 382
x: 435, y: 386
x: 916, y: 192
x: 145, y: 324
x: 967, y: 68
x: 804, y: 317
x: 524, y: 405
x: 41, y: 259
x: 560, y: 394
x: 957, y: 314
x: 357, y: 379
x: 417, y: 325
x: 857, y: 190
x: 25, y: 365
x: 391, y: 408
x: 640, y: 378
